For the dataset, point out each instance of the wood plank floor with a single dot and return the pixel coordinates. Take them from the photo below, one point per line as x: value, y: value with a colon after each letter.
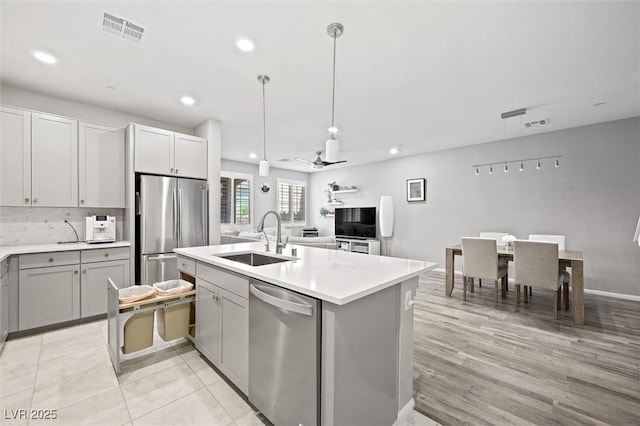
x: 475, y: 363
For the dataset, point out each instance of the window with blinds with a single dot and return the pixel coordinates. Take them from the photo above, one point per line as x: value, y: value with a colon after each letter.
x: 235, y: 198
x: 292, y: 201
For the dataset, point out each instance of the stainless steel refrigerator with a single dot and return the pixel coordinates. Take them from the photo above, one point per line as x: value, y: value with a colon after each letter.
x: 171, y: 212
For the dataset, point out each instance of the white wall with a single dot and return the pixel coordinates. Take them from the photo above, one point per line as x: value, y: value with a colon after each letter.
x: 21, y: 98
x: 263, y: 202
x: 592, y: 198
x: 211, y: 130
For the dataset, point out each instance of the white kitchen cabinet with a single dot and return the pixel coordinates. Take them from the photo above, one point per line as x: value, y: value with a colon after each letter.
x: 226, y: 318
x: 208, y: 317
x: 100, y: 166
x: 54, y: 161
x: 164, y: 152
x: 48, y: 296
x: 153, y: 150
x: 93, y: 284
x: 15, y: 157
x: 190, y: 156
x: 234, y: 357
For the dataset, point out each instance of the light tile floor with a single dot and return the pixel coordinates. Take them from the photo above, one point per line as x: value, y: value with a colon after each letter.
x: 69, y: 370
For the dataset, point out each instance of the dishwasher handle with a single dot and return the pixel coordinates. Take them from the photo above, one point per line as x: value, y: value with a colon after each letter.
x: 287, y: 305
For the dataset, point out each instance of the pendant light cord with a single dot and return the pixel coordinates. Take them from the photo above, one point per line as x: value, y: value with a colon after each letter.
x: 333, y: 94
x: 264, y: 124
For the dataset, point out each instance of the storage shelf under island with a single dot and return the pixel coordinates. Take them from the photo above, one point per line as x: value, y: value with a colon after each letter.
x: 365, y: 314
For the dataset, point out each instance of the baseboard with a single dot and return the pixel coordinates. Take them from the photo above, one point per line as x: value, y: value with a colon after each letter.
x: 614, y: 295
x: 406, y: 411
x: 586, y: 290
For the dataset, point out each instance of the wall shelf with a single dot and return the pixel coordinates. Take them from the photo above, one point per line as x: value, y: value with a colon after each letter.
x: 345, y: 191
x: 335, y: 203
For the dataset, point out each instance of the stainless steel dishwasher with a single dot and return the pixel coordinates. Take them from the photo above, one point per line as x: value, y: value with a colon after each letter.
x: 284, y: 354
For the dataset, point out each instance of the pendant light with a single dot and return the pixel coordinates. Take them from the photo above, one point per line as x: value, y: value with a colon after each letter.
x: 334, y: 30
x: 264, y: 163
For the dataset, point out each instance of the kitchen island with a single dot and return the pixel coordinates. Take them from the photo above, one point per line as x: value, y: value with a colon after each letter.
x: 364, y: 313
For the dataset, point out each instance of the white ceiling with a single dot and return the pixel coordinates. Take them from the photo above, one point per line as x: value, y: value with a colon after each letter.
x: 427, y: 76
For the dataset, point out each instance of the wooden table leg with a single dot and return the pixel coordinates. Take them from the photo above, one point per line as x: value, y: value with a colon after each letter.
x: 577, y: 291
x: 449, y: 265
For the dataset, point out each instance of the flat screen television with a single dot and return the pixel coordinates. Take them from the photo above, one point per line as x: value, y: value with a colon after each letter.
x: 355, y: 222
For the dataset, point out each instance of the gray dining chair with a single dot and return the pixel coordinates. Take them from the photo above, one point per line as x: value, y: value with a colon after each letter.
x: 536, y: 265
x: 561, y: 241
x: 498, y: 237
x: 480, y: 260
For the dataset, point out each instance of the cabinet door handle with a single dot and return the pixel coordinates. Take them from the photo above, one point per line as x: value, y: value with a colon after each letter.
x: 84, y: 271
x: 50, y: 259
x: 171, y: 170
x: 35, y: 200
x: 176, y: 171
x: 106, y: 255
x: 26, y: 200
x: 184, y: 266
x: 81, y: 201
x: 75, y: 272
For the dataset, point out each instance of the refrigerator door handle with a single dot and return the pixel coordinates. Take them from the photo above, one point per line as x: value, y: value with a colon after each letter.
x: 179, y: 218
x: 164, y: 257
x: 138, y: 206
x: 175, y: 217
x: 205, y: 213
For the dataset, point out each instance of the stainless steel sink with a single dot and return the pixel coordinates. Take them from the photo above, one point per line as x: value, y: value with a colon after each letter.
x: 253, y: 259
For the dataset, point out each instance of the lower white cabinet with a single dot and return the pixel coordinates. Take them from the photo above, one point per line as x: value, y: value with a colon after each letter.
x: 93, y: 284
x: 208, y: 316
x: 48, y: 295
x: 222, y: 322
x: 62, y: 286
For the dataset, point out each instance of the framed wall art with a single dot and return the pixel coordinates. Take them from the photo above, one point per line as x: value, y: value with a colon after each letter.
x: 416, y: 189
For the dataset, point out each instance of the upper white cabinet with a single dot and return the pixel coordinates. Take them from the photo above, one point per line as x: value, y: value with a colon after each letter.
x: 163, y: 152
x: 100, y: 166
x: 15, y: 157
x: 54, y: 161
x: 153, y: 150
x: 190, y: 156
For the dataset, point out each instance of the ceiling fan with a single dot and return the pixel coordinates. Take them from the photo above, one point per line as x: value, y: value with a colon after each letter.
x: 317, y: 164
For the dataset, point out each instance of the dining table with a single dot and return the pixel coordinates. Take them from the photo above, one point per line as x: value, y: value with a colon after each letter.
x: 566, y: 259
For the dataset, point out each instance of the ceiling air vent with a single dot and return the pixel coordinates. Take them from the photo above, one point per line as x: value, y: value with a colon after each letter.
x: 122, y: 27
x: 536, y: 123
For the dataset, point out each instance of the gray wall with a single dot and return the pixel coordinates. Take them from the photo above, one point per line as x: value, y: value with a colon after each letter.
x: 592, y: 198
x: 263, y: 202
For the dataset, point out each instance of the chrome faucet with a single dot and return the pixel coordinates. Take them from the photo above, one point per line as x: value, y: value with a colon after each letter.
x: 279, y: 244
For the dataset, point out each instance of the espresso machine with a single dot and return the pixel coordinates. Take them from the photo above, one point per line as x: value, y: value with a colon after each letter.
x: 100, y: 229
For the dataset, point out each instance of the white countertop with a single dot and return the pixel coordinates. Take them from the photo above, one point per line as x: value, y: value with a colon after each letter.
x: 44, y: 248
x: 335, y: 276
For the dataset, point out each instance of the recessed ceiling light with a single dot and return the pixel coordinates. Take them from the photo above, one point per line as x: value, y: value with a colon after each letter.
x: 187, y: 100
x: 253, y: 155
x: 393, y: 151
x: 245, y: 45
x: 333, y: 130
x: 45, y: 57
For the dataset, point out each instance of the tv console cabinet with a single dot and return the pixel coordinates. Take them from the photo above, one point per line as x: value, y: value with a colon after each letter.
x: 358, y: 246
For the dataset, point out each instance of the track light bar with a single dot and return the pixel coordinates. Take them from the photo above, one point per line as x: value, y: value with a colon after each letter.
x: 514, y: 113
x: 520, y: 162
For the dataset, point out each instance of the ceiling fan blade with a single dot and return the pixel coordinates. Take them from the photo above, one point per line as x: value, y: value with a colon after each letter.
x: 328, y: 163
x: 303, y: 160
x: 284, y: 160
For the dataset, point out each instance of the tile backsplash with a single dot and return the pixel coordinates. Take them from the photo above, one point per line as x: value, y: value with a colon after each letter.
x: 44, y: 225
